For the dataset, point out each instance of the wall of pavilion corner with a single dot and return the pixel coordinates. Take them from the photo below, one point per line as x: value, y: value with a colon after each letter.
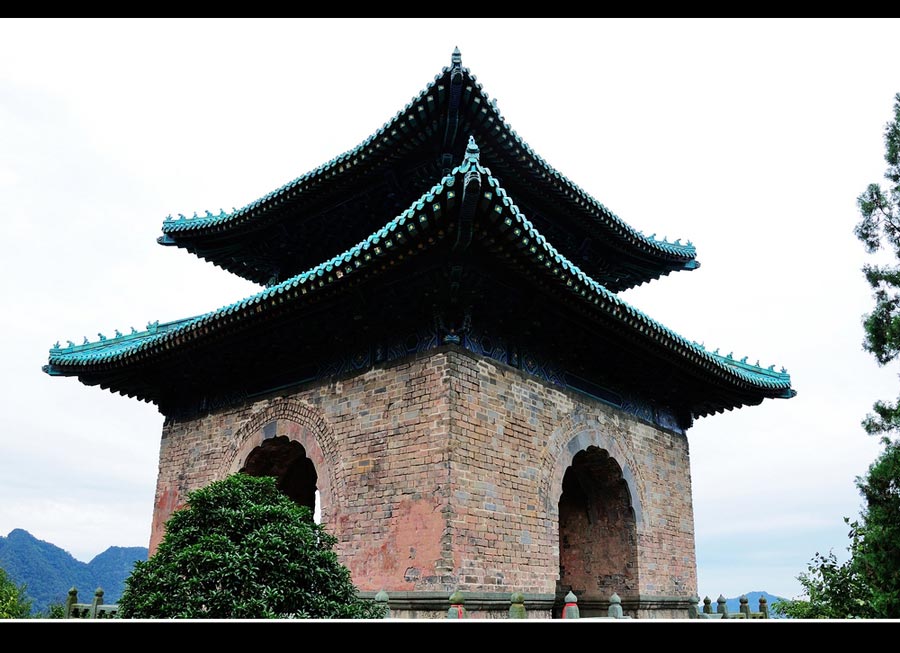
x: 668, y: 564
x: 512, y: 441
x: 380, y: 447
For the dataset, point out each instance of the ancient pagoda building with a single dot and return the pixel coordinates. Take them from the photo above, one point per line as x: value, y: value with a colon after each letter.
x: 439, y: 350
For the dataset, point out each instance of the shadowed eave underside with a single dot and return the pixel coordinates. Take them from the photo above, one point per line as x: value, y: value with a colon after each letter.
x: 501, y: 224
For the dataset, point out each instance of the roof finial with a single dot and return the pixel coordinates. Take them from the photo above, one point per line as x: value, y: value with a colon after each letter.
x: 472, y: 151
x: 456, y: 59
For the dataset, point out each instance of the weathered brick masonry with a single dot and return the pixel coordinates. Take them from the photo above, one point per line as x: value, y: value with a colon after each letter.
x: 445, y: 471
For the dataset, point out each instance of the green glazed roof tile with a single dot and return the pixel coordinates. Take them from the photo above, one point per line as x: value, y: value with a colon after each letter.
x: 119, y: 350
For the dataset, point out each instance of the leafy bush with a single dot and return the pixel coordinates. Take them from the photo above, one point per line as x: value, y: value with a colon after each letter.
x: 241, y: 549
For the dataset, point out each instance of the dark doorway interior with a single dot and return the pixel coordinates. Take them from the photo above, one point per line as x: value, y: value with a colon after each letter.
x: 286, y: 460
x: 597, y: 533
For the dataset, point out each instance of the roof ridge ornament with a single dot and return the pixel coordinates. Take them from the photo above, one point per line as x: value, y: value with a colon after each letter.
x: 471, y: 193
x: 473, y: 154
x: 453, y: 104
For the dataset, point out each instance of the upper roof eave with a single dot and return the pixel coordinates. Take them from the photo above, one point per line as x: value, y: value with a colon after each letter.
x: 672, y: 255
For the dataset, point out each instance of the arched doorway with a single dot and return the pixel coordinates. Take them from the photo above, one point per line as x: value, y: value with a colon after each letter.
x: 287, y: 461
x: 597, y: 531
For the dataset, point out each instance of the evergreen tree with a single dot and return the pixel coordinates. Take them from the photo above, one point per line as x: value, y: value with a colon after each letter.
x: 880, y: 228
x: 877, y: 556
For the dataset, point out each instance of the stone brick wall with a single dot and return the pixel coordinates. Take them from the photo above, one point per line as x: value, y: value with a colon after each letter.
x: 379, y: 444
x: 514, y: 437
x: 445, y: 471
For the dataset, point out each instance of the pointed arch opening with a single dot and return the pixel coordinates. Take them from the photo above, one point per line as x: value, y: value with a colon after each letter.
x: 597, y: 531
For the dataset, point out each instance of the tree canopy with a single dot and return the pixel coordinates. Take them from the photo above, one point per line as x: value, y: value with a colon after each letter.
x: 242, y: 549
x: 14, y: 604
x: 879, y: 228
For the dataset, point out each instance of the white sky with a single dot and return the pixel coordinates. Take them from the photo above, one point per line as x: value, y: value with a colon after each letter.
x: 752, y: 138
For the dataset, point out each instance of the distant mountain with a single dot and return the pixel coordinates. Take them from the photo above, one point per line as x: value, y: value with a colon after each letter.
x: 734, y: 605
x: 48, y: 571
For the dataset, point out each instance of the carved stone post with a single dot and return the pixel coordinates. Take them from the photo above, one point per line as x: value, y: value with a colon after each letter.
x: 97, y: 602
x: 381, y: 599
x: 570, y: 610
x: 457, y: 606
x: 722, y: 607
x: 693, y: 608
x: 517, y: 606
x: 615, y: 607
x: 71, y: 600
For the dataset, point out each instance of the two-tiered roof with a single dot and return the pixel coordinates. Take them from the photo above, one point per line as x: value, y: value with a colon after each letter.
x: 442, y: 228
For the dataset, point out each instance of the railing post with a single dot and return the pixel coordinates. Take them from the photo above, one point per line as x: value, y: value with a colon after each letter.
x: 381, y: 599
x: 745, y: 606
x: 764, y: 607
x: 71, y: 600
x: 457, y: 606
x: 97, y: 602
x: 693, y: 609
x: 517, y: 606
x: 570, y: 610
x: 707, y: 605
x: 615, y: 607
x: 722, y: 607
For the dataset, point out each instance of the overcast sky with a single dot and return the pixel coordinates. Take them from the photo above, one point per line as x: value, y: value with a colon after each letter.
x: 751, y: 138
